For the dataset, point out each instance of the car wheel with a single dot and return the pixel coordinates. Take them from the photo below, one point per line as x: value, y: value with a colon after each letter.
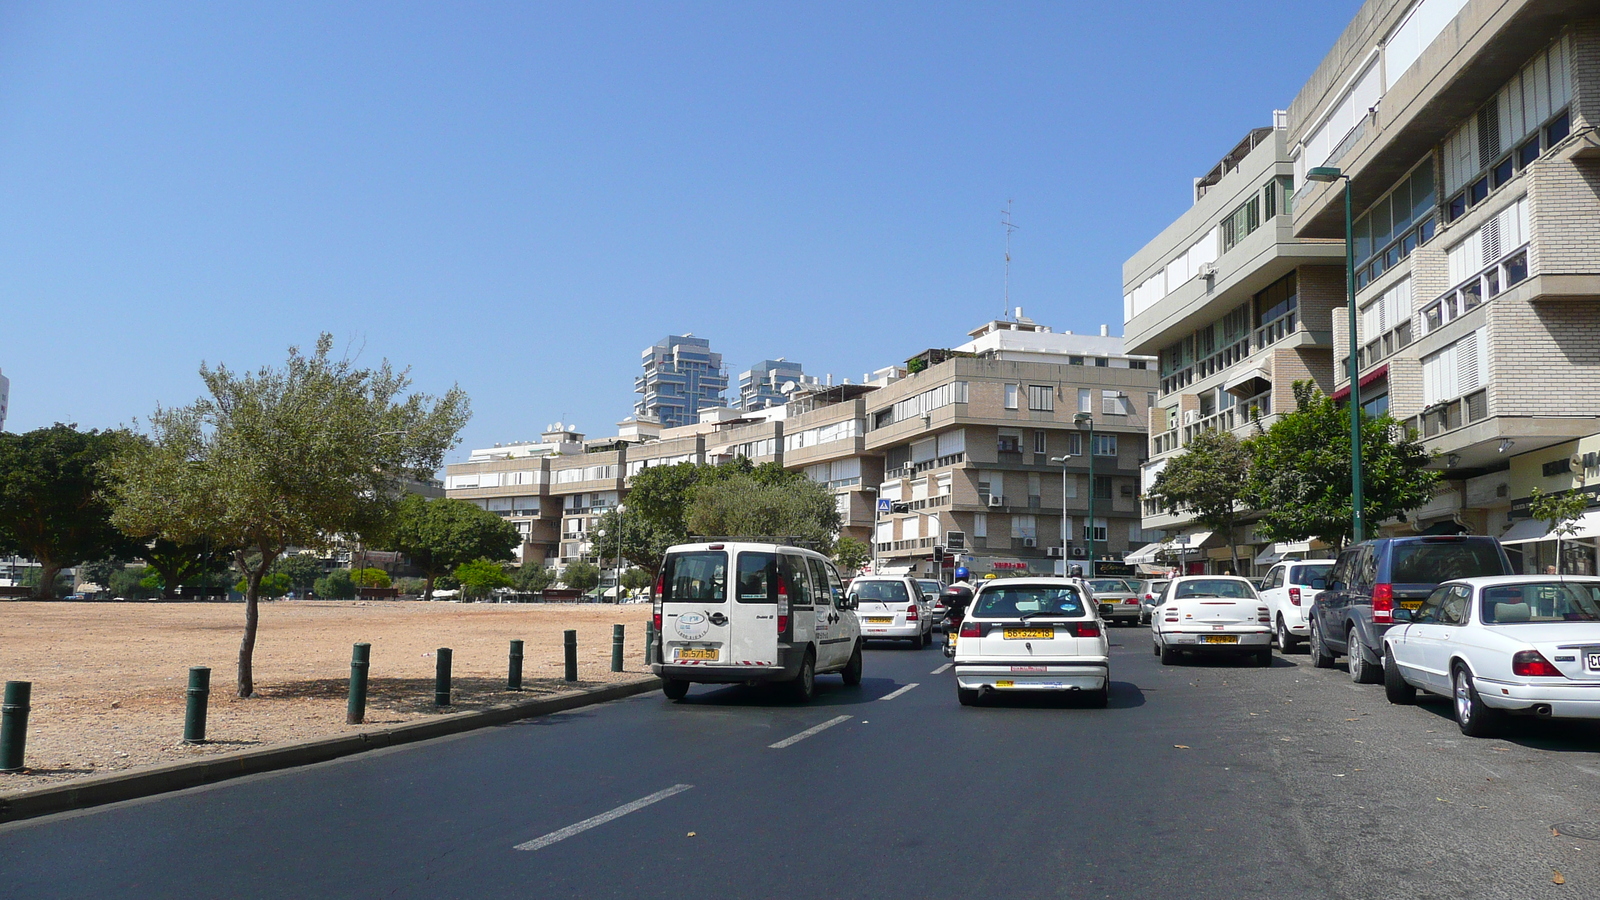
x: 675, y: 688
x: 1474, y: 718
x: 1286, y: 641
x: 1099, y: 699
x: 1155, y: 648
x: 852, y: 669
x: 1320, y: 657
x: 967, y: 697
x: 1169, y: 656
x: 1395, y: 687
x: 1362, y: 670
x: 804, y: 685
x: 927, y: 639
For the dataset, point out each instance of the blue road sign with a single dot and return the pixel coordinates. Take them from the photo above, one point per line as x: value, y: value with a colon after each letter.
x: 883, y: 506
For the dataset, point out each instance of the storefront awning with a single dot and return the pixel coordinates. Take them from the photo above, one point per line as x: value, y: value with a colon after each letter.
x: 1192, y: 541
x: 1526, y: 530
x: 1245, y: 384
x: 1366, y: 381
x: 1276, y: 553
x: 1147, y: 554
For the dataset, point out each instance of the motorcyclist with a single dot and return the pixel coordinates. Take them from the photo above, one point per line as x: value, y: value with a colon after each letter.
x: 957, y: 597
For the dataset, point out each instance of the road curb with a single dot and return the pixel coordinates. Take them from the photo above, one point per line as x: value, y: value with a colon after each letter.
x: 101, y: 789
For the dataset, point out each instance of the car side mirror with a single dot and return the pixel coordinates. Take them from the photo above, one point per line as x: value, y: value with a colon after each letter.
x: 1401, y: 614
x: 1318, y: 584
x: 847, y: 603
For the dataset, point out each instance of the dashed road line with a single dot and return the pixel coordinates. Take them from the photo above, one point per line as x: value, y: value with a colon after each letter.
x: 942, y: 668
x: 898, y: 692
x: 797, y: 738
x: 564, y: 833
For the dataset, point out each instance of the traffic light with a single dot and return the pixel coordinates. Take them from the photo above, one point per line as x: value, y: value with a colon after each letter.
x: 938, y: 554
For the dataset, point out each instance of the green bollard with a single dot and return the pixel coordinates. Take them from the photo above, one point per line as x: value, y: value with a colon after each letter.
x: 360, y: 661
x: 570, y: 643
x: 649, y: 642
x: 514, y: 678
x: 616, y: 647
x: 14, y: 724
x: 194, y: 716
x: 441, y: 678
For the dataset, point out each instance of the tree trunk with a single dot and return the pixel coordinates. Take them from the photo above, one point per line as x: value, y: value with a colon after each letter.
x: 48, y: 570
x: 427, y: 587
x: 252, y: 595
x: 1233, y: 550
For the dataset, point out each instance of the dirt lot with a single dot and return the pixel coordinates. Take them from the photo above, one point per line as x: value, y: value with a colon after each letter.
x: 109, y: 679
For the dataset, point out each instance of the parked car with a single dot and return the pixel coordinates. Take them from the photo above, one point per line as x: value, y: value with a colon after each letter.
x: 932, y: 589
x: 892, y: 607
x: 733, y: 612
x: 1211, y: 614
x: 1288, y: 588
x: 1118, y: 600
x: 1373, y: 578
x: 1032, y: 634
x: 1526, y: 645
x: 1149, y: 591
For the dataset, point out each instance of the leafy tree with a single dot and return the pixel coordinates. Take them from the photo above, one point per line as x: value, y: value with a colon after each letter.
x: 407, y: 586
x: 192, y: 564
x: 283, y: 457
x: 850, y: 554
x: 480, y: 577
x: 1560, y: 513
x: 132, y: 583
x: 302, y: 570
x: 439, y: 535
x: 273, y: 584
x: 101, y: 571
x: 52, y: 507
x: 749, y: 506
x: 336, y: 585
x: 531, y: 578
x: 1300, y: 471
x: 1209, y: 480
x: 581, y: 576
x: 370, y: 578
x: 644, y: 541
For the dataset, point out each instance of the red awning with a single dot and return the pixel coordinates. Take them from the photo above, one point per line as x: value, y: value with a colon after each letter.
x: 1367, y: 379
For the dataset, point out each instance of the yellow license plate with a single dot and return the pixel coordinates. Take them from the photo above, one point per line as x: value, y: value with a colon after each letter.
x: 1411, y: 604
x: 695, y: 653
x: 1005, y: 684
x: 880, y: 620
x: 1219, y: 639
x: 1024, y: 634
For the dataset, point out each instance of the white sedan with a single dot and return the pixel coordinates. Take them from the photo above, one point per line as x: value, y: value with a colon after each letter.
x: 1211, y: 614
x: 1520, y: 644
x: 1032, y: 634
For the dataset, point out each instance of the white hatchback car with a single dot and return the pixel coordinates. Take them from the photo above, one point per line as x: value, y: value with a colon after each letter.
x: 1032, y: 634
x: 1288, y: 589
x: 1211, y: 614
x: 892, y: 607
x: 1520, y: 644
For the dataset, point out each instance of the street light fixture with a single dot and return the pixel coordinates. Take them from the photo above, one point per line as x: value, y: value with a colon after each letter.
x: 1082, y: 420
x: 1358, y: 526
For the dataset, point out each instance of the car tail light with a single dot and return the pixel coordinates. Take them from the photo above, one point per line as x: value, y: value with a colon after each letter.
x: 911, y: 613
x: 1294, y: 596
x: 661, y: 589
x: 783, y: 604
x: 971, y: 629
x: 1263, y: 615
x: 1084, y: 629
x: 1532, y: 662
x: 1383, y: 603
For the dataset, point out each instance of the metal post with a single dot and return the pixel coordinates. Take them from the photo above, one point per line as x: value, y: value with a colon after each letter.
x: 360, y: 660
x: 616, y: 647
x: 194, y: 717
x: 570, y: 645
x: 441, y: 678
x: 1358, y: 520
x: 1090, y: 570
x: 514, y: 676
x: 649, y: 642
x: 14, y: 724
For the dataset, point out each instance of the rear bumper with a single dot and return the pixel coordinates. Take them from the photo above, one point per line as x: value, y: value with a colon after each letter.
x: 1119, y: 610
x: 879, y: 632
x: 1566, y: 701
x: 1190, y: 640
x: 1078, y: 675
x: 787, y: 667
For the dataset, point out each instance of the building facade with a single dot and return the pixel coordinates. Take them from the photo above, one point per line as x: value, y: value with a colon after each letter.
x: 762, y: 385
x: 5, y: 399
x: 681, y: 377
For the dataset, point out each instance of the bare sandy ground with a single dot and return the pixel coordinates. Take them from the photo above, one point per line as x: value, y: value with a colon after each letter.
x: 109, y: 679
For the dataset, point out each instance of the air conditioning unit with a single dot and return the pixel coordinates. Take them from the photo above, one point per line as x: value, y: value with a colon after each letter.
x: 1030, y: 542
x: 1208, y: 270
x: 996, y: 500
x: 1079, y: 553
x: 1191, y: 416
x: 1057, y: 552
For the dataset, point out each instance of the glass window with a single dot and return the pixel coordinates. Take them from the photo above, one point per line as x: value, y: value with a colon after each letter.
x: 1431, y: 562
x: 879, y: 591
x: 1278, y: 299
x: 1543, y: 601
x: 1304, y: 575
x: 1012, y: 602
x: 1429, y: 611
x: 695, y: 577
x: 1502, y: 172
x: 1102, y: 362
x: 1102, y: 487
x: 1214, y: 587
x: 1039, y: 438
x: 1085, y: 400
x: 1457, y: 207
x: 819, y: 582
x: 1557, y: 130
x: 1074, y: 360
x: 797, y: 574
x: 757, y: 578
x: 1109, y: 586
x: 1527, y: 153
x: 1105, y: 445
x: 1478, y: 191
x: 1011, y: 396
x: 1453, y: 611
x: 1041, y: 397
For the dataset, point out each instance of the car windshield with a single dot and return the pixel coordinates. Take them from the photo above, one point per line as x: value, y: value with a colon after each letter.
x: 1214, y: 587
x: 1541, y: 601
x: 1425, y: 562
x: 1011, y: 602
x: 879, y: 591
x: 1304, y: 575
x: 1110, y: 586
x: 930, y: 587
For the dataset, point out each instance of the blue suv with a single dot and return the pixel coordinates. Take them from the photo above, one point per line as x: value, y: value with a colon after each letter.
x: 1371, y: 578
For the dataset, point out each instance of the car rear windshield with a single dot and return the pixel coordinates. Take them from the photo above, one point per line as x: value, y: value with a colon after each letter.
x: 757, y: 572
x: 696, y: 577
x: 1543, y: 601
x: 1430, y: 562
x: 1010, y: 602
x: 930, y: 587
x: 1110, y: 586
x: 1214, y: 587
x: 880, y: 591
x: 1306, y: 574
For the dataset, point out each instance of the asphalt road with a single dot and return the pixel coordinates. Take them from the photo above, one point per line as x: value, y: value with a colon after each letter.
x: 1208, y: 780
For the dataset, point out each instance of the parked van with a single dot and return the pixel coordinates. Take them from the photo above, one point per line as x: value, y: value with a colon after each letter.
x: 734, y: 612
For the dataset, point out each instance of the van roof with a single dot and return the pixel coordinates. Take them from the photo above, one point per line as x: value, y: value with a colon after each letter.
x: 769, y: 546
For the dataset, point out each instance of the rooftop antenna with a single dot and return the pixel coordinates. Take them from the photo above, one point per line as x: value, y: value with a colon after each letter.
x: 1005, y: 219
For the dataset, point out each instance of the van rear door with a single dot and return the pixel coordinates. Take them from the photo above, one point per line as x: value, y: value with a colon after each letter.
x: 761, y: 597
x: 696, y: 617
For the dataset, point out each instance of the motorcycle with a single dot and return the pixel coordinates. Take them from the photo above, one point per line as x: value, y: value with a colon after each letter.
x: 956, y: 600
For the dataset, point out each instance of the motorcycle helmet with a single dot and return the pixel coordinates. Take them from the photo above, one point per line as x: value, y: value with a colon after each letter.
x: 962, y: 573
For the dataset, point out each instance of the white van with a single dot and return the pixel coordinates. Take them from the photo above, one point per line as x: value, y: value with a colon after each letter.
x: 735, y: 612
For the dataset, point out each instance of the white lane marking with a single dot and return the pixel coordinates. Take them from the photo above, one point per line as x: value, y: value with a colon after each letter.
x: 797, y: 738
x: 942, y: 668
x: 586, y: 824
x: 898, y: 692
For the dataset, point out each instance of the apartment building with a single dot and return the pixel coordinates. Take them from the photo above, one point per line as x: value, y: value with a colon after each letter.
x: 5, y: 399
x: 1468, y: 131
x: 1236, y: 309
x: 763, y: 385
x: 681, y: 377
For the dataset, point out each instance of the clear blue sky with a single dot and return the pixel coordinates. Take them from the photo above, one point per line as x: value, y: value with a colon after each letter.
x: 520, y: 197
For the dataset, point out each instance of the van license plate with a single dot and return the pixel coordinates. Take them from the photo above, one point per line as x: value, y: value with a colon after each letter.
x: 1219, y: 639
x: 880, y: 620
x: 1024, y: 634
x: 1005, y: 684
x: 708, y: 653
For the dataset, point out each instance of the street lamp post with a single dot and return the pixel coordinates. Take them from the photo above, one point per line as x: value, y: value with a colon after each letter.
x: 1085, y: 421
x: 1358, y: 525
x: 1062, y: 461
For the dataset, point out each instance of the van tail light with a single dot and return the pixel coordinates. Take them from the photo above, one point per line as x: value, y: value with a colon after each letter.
x: 971, y: 629
x: 1084, y: 629
x: 1383, y: 604
x: 783, y: 604
x: 1294, y: 596
x: 1532, y: 662
x: 661, y: 591
x: 911, y: 613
